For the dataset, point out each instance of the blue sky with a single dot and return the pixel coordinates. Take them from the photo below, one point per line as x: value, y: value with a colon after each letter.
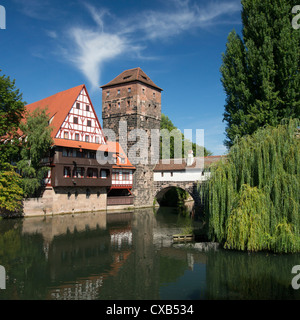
x: 50, y: 46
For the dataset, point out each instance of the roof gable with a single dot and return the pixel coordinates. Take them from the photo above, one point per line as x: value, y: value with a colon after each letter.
x: 58, y: 106
x: 81, y: 122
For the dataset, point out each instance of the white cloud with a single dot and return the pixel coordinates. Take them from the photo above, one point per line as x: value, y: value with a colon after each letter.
x: 89, y: 48
x: 92, y: 49
x: 52, y: 34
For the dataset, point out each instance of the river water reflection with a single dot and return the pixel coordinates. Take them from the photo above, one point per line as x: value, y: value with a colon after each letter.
x: 130, y: 256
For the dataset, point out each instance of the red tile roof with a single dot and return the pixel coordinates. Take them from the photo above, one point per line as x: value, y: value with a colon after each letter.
x: 181, y: 166
x: 58, y: 106
x: 131, y: 75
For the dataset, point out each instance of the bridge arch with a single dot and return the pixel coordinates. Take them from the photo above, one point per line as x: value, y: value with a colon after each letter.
x: 160, y: 195
x: 161, y: 187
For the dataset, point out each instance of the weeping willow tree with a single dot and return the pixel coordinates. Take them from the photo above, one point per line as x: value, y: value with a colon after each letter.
x: 252, y: 201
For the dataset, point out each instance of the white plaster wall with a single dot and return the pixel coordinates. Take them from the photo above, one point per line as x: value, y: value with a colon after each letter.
x: 188, y: 175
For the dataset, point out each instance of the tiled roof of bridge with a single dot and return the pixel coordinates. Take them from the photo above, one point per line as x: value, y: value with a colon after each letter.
x: 181, y: 165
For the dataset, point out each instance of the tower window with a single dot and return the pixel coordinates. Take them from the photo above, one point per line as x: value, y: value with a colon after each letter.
x: 107, y: 93
x: 143, y: 90
x: 119, y: 91
x: 129, y: 90
x: 119, y: 105
x: 128, y: 103
x: 153, y: 94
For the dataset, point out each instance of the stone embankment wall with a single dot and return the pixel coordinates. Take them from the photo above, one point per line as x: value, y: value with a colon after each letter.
x: 66, y: 200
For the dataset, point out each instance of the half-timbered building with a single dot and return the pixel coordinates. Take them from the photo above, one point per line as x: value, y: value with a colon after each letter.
x: 84, y: 166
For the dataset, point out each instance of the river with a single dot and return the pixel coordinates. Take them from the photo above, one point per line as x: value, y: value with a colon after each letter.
x: 130, y: 256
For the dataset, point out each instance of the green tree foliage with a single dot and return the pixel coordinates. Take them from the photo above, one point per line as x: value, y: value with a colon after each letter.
x: 173, y: 142
x: 35, y: 147
x: 260, y: 70
x: 252, y: 201
x: 11, y: 112
x: 11, y: 193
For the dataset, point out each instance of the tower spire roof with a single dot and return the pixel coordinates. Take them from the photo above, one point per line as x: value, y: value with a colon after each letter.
x: 132, y: 75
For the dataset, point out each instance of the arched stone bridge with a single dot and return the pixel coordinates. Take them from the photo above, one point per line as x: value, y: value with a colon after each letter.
x: 161, y: 187
x: 183, y: 174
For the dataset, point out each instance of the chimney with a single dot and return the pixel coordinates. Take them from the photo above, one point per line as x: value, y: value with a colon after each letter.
x: 190, y: 158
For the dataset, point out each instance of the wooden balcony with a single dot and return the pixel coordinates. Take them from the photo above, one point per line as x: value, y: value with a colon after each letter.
x: 60, y: 179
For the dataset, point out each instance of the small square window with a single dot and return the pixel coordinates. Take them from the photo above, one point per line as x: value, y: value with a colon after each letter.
x: 89, y: 123
x: 77, y: 105
x: 75, y: 120
x: 103, y: 174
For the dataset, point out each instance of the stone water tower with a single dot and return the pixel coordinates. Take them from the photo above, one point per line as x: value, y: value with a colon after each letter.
x: 133, y: 98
